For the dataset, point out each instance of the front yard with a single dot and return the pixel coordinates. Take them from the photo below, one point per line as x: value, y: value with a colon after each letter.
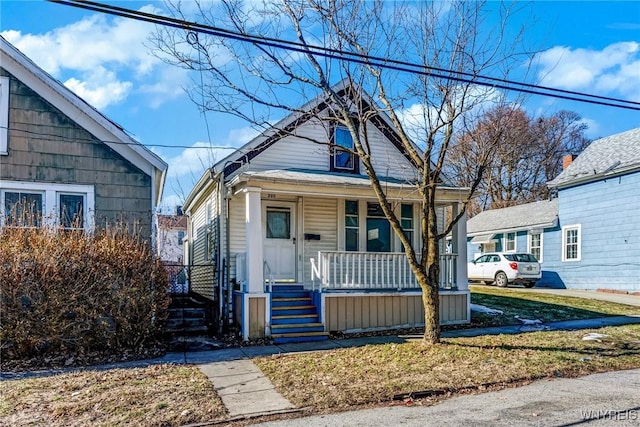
x: 336, y: 380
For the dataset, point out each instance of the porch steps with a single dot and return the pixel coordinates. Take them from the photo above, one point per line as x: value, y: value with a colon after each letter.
x: 188, y: 327
x: 294, y: 317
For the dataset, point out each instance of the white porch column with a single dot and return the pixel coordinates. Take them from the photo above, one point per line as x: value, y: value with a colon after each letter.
x: 255, y: 258
x: 459, y: 246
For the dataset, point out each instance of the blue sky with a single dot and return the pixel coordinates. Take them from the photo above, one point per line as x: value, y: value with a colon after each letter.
x: 585, y: 46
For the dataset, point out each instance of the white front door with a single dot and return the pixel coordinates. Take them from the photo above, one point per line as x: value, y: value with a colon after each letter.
x: 279, y: 237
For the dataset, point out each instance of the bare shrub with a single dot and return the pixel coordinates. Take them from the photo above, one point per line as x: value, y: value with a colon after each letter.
x: 71, y: 292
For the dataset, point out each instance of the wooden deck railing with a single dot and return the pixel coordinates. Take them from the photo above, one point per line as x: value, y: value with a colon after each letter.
x: 373, y: 270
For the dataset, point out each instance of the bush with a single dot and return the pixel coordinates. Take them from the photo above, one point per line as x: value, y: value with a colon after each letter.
x: 65, y: 292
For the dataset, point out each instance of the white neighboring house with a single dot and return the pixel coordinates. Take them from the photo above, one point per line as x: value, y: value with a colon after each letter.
x: 285, y: 220
x: 171, y: 234
x: 172, y: 230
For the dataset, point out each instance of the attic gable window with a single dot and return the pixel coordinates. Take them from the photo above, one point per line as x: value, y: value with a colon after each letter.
x: 342, y: 160
x: 4, y: 114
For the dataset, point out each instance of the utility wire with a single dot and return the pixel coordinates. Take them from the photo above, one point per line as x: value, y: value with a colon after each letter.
x: 402, y: 66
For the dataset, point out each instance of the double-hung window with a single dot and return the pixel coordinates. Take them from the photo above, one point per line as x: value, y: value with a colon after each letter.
x: 406, y: 221
x: 342, y: 157
x: 510, y: 242
x: 571, y: 244
x: 351, y: 224
x: 535, y: 244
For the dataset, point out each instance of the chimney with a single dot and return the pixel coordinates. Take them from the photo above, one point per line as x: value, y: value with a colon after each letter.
x: 567, y: 160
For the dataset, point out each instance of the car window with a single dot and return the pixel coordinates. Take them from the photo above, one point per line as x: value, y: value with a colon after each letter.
x: 495, y: 258
x: 510, y: 257
x: 483, y: 258
x: 526, y: 258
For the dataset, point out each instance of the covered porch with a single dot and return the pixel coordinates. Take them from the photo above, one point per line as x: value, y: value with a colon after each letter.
x: 324, y: 234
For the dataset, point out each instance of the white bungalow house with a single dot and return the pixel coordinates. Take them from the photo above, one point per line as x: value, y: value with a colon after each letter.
x: 286, y: 237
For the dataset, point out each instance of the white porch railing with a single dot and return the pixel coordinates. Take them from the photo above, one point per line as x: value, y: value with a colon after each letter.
x: 373, y: 270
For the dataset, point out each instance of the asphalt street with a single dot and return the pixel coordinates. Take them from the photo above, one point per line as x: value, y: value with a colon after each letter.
x: 608, y: 399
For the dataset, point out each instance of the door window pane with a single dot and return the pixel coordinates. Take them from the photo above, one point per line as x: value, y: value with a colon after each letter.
x: 71, y: 210
x: 278, y: 223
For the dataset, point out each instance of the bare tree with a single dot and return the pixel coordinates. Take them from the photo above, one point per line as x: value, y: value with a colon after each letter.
x: 258, y: 82
x: 529, y: 154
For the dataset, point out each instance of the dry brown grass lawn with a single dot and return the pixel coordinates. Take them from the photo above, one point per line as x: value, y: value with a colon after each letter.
x: 339, y: 379
x: 159, y: 395
x: 543, y: 306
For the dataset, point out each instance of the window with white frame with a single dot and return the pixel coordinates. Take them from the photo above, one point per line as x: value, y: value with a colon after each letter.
x: 25, y: 204
x: 571, y: 243
x: 4, y: 115
x: 22, y: 208
x: 535, y: 244
x: 510, y: 242
x: 351, y: 225
x: 406, y: 221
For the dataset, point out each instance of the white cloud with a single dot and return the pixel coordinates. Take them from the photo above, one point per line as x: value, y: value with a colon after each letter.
x: 614, y: 69
x: 193, y: 161
x: 103, y: 59
x: 101, y: 88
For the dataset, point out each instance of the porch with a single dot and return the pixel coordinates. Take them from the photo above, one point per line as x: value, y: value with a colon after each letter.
x: 375, y: 271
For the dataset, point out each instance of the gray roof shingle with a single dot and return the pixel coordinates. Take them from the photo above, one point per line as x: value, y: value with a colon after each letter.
x: 528, y: 216
x: 607, y: 156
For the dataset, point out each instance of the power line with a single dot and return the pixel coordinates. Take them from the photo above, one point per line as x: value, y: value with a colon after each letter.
x: 387, y: 63
x: 43, y: 136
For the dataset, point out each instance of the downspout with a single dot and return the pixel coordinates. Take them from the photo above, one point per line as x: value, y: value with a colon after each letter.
x: 224, y: 206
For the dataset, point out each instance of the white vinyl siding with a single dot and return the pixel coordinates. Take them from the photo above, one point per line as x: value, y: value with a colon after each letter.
x: 237, y: 231
x: 297, y: 152
x: 320, y: 217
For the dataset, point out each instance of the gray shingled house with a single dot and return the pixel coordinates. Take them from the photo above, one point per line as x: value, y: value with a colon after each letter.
x: 65, y: 162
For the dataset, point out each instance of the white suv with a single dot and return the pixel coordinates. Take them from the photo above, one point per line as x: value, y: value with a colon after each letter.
x: 503, y: 268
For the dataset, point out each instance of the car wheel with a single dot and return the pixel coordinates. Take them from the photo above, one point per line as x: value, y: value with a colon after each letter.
x: 529, y: 284
x: 501, y: 279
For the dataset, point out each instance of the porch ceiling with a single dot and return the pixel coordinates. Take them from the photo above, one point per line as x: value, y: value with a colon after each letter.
x: 305, y: 182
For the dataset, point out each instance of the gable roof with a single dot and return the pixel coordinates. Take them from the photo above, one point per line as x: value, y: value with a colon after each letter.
x: 542, y: 214
x: 110, y: 133
x: 613, y: 155
x: 288, y: 124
